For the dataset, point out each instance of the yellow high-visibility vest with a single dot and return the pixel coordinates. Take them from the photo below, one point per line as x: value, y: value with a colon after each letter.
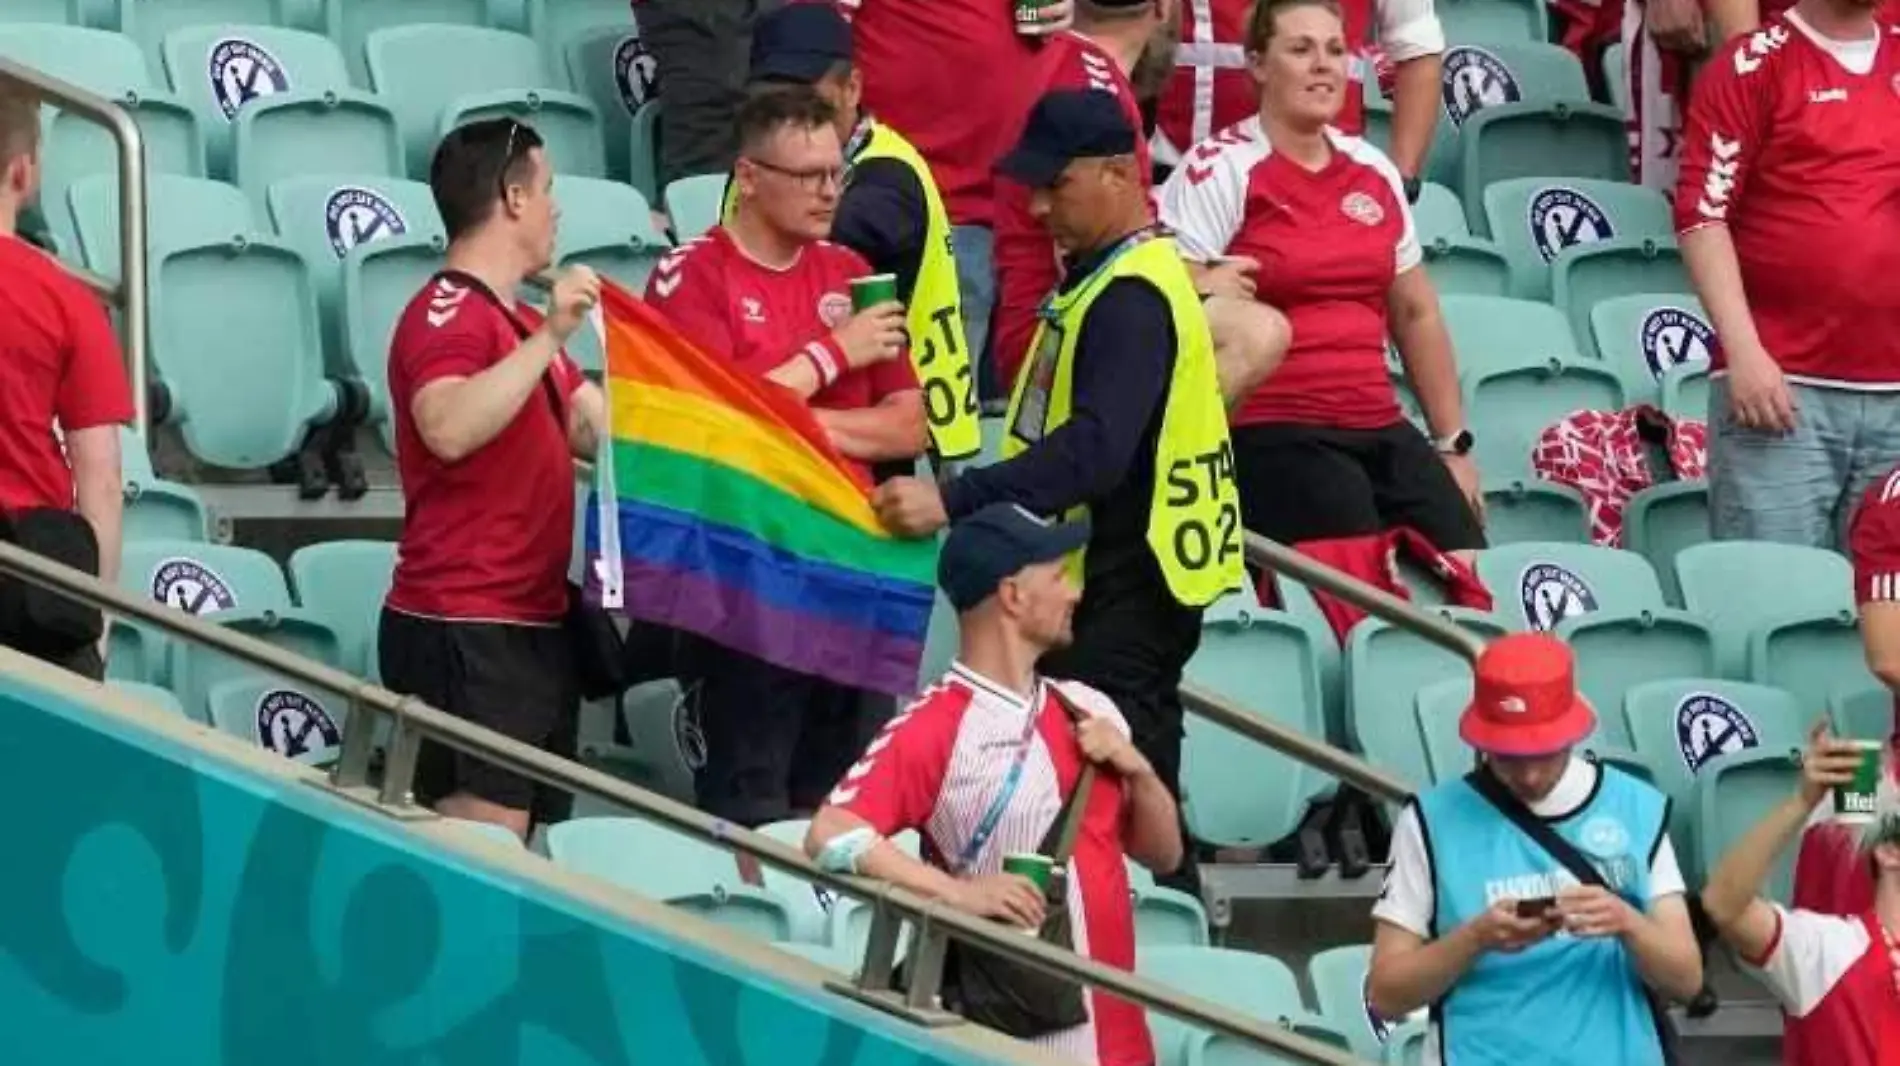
x: 1194, y: 526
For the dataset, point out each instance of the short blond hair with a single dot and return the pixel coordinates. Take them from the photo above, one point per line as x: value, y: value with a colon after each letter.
x: 19, y: 124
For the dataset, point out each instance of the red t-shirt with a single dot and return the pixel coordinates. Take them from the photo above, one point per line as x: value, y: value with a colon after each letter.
x: 942, y: 73
x: 1835, y: 981
x: 1027, y: 260
x: 730, y: 304
x: 486, y: 538
x: 59, y: 364
x: 1799, y: 158
x: 937, y: 767
x: 1329, y: 244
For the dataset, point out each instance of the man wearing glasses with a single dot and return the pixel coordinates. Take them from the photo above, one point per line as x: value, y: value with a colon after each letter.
x: 768, y: 292
x: 489, y: 415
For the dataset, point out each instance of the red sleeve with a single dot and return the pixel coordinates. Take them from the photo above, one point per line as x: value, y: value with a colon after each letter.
x: 691, y: 298
x: 94, y: 390
x: 1873, y: 542
x: 894, y: 785
x: 1727, y: 122
x: 448, y: 332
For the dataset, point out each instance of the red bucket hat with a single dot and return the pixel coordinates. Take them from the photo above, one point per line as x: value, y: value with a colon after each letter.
x: 1524, y: 700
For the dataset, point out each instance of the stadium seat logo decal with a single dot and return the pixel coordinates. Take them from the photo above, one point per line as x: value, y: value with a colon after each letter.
x: 1475, y: 79
x: 294, y: 725
x: 1563, y: 218
x: 242, y: 71
x: 1551, y: 594
x: 687, y: 735
x: 355, y: 216
x: 635, y: 73
x: 191, y: 587
x: 1672, y: 337
x: 1708, y: 725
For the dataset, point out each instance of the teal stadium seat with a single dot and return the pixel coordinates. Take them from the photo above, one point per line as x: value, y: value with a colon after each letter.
x: 1586, y: 275
x: 557, y: 24
x: 1523, y: 109
x: 342, y: 584
x: 807, y: 905
x: 605, y: 225
x: 694, y: 204
x: 277, y: 104
x: 57, y: 12
x: 1338, y: 978
x: 1533, y: 220
x: 1297, y: 601
x: 325, y: 217
x: 1723, y: 581
x: 1164, y: 917
x: 234, y: 319
x: 151, y: 695
x: 1511, y: 406
x: 1494, y: 21
x: 1644, y: 335
x: 1685, y: 392
x: 1608, y: 606
x: 156, y: 509
x: 1733, y: 794
x: 73, y: 147
x: 643, y: 151
x: 1616, y: 76
x: 378, y: 281
x: 1810, y: 655
x: 940, y: 643
x: 200, y: 578
x: 1681, y: 726
x: 439, y: 77
x: 1385, y: 667
x: 1234, y: 793
x: 1662, y: 520
x: 666, y: 744
x: 149, y: 22
x: 1215, y: 1049
x: 351, y: 22
x: 1535, y: 511
x: 664, y: 865
x: 610, y: 66
x: 1254, y: 984
x: 198, y: 673
x: 1492, y: 333
x: 281, y: 718
x: 1863, y: 712
x: 1456, y: 261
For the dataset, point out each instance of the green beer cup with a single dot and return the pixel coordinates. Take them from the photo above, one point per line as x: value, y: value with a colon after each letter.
x: 1031, y: 16
x: 872, y: 290
x: 1037, y: 868
x: 1854, y: 802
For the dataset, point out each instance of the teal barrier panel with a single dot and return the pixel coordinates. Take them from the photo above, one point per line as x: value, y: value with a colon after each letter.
x: 163, y: 902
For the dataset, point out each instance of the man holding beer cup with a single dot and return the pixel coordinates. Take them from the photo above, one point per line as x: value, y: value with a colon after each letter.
x: 1837, y: 976
x: 768, y: 292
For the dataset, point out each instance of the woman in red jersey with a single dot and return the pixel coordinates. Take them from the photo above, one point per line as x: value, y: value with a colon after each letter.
x: 1315, y: 222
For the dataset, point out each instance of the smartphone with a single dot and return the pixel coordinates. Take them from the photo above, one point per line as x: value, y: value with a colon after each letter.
x: 1536, y: 908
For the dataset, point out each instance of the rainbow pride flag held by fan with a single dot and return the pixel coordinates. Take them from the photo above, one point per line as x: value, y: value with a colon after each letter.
x: 721, y: 508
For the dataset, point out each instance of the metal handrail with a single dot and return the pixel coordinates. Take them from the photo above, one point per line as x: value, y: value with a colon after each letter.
x: 1371, y: 599
x: 413, y: 721
x: 130, y: 293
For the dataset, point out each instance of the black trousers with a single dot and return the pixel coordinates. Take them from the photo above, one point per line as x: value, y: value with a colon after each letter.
x: 701, y: 49
x: 765, y: 743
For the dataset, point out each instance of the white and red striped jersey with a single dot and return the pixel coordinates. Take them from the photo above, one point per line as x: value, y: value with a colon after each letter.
x: 1835, y: 979
x: 1211, y: 88
x: 1873, y: 542
x: 1790, y: 143
x: 937, y: 767
x: 1329, y: 243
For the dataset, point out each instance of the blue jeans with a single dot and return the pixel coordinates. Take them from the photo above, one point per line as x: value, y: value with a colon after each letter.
x: 975, y: 250
x: 1799, y: 487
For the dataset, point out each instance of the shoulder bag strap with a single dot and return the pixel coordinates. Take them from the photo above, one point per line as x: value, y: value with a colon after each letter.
x: 522, y: 331
x: 1061, y: 842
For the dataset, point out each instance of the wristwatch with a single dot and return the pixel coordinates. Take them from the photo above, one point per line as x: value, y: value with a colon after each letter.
x: 1412, y: 188
x: 1458, y: 443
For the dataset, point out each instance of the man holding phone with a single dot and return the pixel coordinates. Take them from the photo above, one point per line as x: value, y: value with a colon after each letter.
x: 1563, y: 918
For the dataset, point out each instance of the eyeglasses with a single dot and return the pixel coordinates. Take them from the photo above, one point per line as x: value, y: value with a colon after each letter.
x: 812, y: 180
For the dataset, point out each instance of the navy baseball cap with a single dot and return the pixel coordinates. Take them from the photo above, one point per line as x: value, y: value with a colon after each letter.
x: 1064, y: 126
x: 997, y: 542
x: 799, y: 42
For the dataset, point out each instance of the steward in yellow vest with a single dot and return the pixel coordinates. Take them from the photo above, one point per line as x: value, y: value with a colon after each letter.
x: 1117, y: 415
x: 889, y: 212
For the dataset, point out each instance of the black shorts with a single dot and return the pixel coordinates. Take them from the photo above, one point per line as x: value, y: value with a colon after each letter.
x: 516, y: 680
x: 1303, y: 483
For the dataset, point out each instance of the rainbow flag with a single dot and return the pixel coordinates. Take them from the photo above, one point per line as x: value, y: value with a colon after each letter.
x: 721, y: 508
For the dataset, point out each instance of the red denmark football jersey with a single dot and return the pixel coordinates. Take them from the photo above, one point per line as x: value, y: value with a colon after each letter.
x: 1791, y: 143
x: 1027, y: 260
x: 1329, y: 244
x: 486, y: 538
x: 730, y: 304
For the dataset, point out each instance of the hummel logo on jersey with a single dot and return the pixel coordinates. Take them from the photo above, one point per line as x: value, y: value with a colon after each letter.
x: 1827, y: 96
x: 1724, y: 159
x: 666, y: 276
x: 1100, y: 75
x: 1760, y: 44
x: 445, y: 301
